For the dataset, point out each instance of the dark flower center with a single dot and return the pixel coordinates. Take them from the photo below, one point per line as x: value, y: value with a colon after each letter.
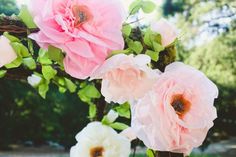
x: 180, y: 105
x: 81, y: 14
x: 97, y: 152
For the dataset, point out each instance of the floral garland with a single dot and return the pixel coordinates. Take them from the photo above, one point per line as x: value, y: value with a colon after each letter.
x: 171, y: 103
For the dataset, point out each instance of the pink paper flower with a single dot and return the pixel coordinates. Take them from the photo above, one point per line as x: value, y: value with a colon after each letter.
x: 87, y: 30
x: 125, y: 78
x: 167, y: 31
x: 7, y: 53
x: 177, y: 114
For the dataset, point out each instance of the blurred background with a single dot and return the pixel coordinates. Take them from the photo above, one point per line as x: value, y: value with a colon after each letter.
x: 207, y: 34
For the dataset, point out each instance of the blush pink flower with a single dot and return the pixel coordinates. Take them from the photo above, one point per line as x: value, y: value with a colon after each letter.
x: 167, y: 31
x: 7, y: 53
x: 87, y: 30
x: 177, y: 114
x: 125, y: 77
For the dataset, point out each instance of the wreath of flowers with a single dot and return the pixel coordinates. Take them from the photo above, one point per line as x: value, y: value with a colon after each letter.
x: 88, y: 43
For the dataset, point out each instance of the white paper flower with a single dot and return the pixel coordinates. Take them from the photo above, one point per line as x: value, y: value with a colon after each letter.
x: 97, y: 140
x: 34, y: 80
x: 7, y: 53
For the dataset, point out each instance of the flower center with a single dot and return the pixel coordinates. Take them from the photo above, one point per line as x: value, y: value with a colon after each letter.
x: 180, y: 105
x: 96, y: 152
x: 81, y: 14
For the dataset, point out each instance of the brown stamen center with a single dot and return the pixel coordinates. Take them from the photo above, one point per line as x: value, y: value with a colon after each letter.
x: 81, y: 14
x: 97, y: 152
x: 180, y: 105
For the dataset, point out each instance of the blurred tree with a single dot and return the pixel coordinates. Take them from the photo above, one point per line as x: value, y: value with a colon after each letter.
x: 8, y: 7
x: 25, y: 116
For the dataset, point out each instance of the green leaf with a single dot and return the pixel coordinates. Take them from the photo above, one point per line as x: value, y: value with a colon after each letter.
x: 48, y: 72
x: 70, y: 85
x: 123, y: 110
x: 43, y: 89
x: 150, y: 153
x: 43, y: 57
x: 26, y: 17
x: 30, y: 63
x: 90, y: 91
x: 154, y: 55
x: 135, y: 6
x: 148, y: 6
x: 62, y: 89
x: 126, y: 30
x: 158, y: 47
x: 16, y: 63
x: 11, y: 37
x: 55, y: 54
x: 115, y: 52
x: 136, y: 46
x: 105, y: 121
x: 119, y: 126
x: 147, y: 37
x: 20, y: 49
x: 2, y: 73
x: 92, y: 111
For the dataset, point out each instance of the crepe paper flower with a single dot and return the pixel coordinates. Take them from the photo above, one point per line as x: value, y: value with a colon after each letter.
x: 177, y: 114
x: 129, y: 133
x: 34, y: 80
x: 7, y: 53
x: 87, y: 31
x: 167, y: 31
x: 125, y: 77
x: 97, y: 140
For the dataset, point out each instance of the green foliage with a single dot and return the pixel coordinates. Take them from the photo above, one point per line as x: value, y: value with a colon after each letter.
x: 146, y: 6
x: 26, y: 17
x: 48, y: 72
x: 55, y: 54
x: 119, y: 126
x: 123, y: 110
x: 150, y: 153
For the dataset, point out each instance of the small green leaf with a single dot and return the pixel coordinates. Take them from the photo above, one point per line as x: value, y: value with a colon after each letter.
x: 62, y: 89
x: 20, y: 49
x: 2, y: 73
x: 92, y: 111
x: 136, y: 46
x: 119, y: 126
x: 123, y: 110
x: 16, y: 63
x: 154, y: 55
x: 148, y: 6
x: 147, y: 37
x: 11, y: 37
x: 158, y: 47
x: 26, y: 17
x: 105, y: 121
x: 150, y: 153
x: 43, y: 57
x: 48, y: 72
x: 30, y: 63
x: 70, y: 85
x: 55, y: 54
x: 126, y: 30
x: 43, y: 89
x: 135, y: 6
x: 90, y: 91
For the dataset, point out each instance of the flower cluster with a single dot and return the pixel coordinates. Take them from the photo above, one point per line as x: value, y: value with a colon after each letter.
x: 171, y: 110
